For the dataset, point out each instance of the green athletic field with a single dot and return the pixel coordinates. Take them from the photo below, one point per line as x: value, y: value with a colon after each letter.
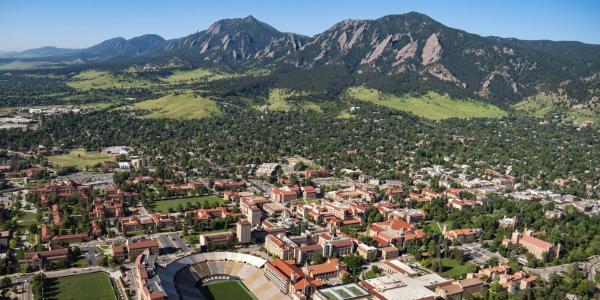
x: 95, y: 286
x: 226, y: 289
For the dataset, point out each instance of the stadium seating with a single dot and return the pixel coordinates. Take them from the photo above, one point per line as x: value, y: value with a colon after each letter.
x: 180, y: 277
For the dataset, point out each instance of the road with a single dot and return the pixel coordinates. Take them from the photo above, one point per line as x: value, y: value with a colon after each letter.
x: 21, y: 154
x: 589, y: 266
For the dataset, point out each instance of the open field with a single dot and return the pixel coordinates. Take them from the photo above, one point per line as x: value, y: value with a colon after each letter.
x: 164, y: 205
x: 582, y: 115
x: 181, y: 106
x: 102, y: 79
x: 431, y: 106
x: 543, y: 104
x: 79, y: 158
x: 21, y: 65
x: 278, y: 101
x: 452, y: 268
x: 227, y: 289
x: 95, y: 286
x: 196, y: 74
x: 537, y: 106
x: 208, y: 75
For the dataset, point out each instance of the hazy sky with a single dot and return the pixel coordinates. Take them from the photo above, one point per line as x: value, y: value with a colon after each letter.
x: 78, y: 24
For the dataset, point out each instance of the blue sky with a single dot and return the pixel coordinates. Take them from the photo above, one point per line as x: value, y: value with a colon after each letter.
x: 77, y: 24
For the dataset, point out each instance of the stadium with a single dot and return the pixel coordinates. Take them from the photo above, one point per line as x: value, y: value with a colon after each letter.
x: 217, y: 275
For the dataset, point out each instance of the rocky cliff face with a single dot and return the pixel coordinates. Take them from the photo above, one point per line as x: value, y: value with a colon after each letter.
x: 397, y: 53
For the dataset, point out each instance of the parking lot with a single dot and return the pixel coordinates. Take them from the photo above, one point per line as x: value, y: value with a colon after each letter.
x: 171, y: 242
x: 480, y: 255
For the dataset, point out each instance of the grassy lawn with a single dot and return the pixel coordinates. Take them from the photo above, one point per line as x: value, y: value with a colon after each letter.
x: 437, y: 226
x: 80, y: 158
x: 95, y: 286
x: 227, y: 289
x: 431, y: 106
x: 135, y: 233
x: 81, y: 263
x: 27, y: 219
x: 164, y: 205
x: 230, y: 229
x: 452, y: 267
x: 182, y: 106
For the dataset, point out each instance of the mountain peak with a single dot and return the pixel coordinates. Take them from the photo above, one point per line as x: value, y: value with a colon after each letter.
x: 247, y: 24
x: 250, y: 18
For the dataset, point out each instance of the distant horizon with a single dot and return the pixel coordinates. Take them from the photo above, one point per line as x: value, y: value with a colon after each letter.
x: 34, y: 24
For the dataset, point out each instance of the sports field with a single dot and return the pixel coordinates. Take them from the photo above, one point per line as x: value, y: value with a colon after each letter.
x: 431, y: 106
x: 80, y: 158
x: 95, y: 286
x: 164, y: 205
x: 226, y: 290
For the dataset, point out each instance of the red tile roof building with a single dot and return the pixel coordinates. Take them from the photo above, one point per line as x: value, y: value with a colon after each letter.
x: 325, y: 271
x: 227, y: 184
x: 284, y: 195
x: 136, y: 248
x: 111, y: 208
x: 460, y: 235
x: 538, y: 248
x: 276, y: 246
x: 96, y: 229
x: 145, y: 278
x: 46, y: 235
x: 394, y: 231
x: 71, y: 238
x: 56, y: 215
x: 43, y: 259
x: 218, y: 238
x: 290, y: 279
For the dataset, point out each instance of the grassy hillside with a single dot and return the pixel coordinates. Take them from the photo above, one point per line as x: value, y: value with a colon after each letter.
x: 280, y: 100
x: 93, y: 79
x: 197, y: 74
x: 208, y: 75
x: 543, y: 104
x: 431, y: 106
x: 539, y: 105
x: 181, y: 106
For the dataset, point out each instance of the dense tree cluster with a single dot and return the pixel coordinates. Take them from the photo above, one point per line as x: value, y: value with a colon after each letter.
x: 389, y: 144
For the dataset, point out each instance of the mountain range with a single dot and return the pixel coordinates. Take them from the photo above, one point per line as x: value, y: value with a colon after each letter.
x: 396, y: 53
